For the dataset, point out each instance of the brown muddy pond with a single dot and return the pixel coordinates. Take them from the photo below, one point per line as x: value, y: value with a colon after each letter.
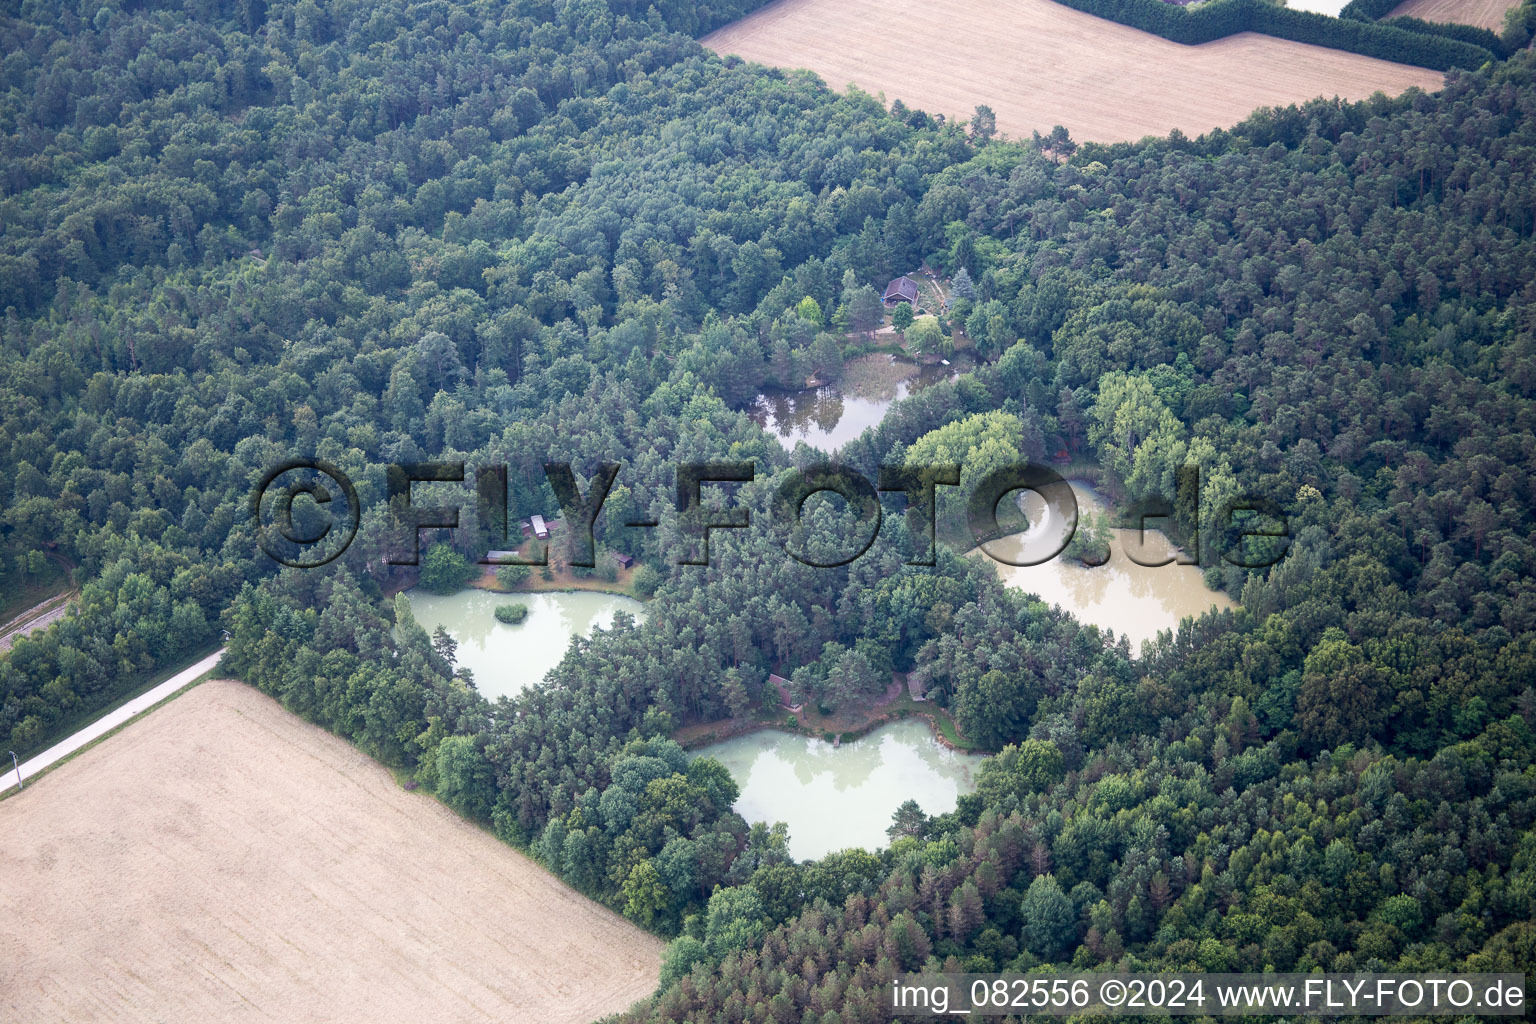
x: 1135, y: 601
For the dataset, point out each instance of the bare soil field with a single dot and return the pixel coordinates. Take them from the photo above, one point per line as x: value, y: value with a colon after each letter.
x: 1487, y: 14
x: 1039, y: 64
x: 223, y: 860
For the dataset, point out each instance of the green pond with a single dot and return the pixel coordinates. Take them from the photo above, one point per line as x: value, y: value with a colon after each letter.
x: 836, y: 797
x: 506, y: 658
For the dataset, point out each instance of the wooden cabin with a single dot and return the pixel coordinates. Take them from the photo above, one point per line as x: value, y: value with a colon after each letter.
x: 785, y: 700
x: 902, y: 289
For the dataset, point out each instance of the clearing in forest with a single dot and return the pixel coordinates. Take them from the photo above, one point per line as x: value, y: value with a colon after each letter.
x: 1487, y: 14
x: 223, y: 860
x: 1039, y: 64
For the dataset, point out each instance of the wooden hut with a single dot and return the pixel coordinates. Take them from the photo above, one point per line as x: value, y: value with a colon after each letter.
x: 901, y: 289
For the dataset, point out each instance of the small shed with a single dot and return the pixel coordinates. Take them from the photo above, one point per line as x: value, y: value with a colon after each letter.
x: 540, y: 528
x: 785, y: 701
x: 901, y: 289
x: 625, y: 561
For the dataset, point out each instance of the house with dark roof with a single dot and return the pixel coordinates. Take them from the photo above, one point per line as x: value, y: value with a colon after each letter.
x: 901, y: 289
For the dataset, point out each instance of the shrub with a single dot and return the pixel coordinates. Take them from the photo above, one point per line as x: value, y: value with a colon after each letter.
x: 511, y: 577
x: 511, y: 613
x: 444, y: 570
x: 647, y: 580
x: 680, y: 956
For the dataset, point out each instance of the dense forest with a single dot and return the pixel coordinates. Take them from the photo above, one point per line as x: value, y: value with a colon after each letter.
x: 504, y: 234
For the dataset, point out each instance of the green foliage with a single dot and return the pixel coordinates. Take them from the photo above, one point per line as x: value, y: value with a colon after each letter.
x: 644, y: 895
x: 977, y: 444
x: 444, y: 570
x: 839, y: 678
x: 510, y: 577
x: 511, y: 613
x: 901, y: 316
x: 1033, y: 766
x: 925, y: 336
x: 1366, y: 10
x: 734, y: 921
x: 865, y: 310
x: 1090, y: 544
x: 1472, y: 34
x: 1519, y: 26
x: 962, y: 285
x: 995, y: 708
x: 809, y: 310
x: 678, y: 959
x: 465, y: 779
x: 908, y: 822
x: 647, y: 580
x: 1049, y: 921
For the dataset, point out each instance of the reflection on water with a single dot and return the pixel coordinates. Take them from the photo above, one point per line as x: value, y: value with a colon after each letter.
x: 828, y: 417
x: 836, y: 797
x: 1133, y: 600
x: 506, y: 658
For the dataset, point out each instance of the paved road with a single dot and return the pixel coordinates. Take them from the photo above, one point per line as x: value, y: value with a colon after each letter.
x: 37, y: 617
x: 106, y: 723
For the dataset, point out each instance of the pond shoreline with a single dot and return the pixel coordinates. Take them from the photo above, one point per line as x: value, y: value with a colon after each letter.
x: 693, y: 736
x: 835, y: 796
x: 563, y: 583
x: 508, y: 657
x: 1133, y: 600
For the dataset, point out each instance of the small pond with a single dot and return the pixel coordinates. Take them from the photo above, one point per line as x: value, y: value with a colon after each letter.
x: 836, y: 797
x: 1133, y: 600
x: 828, y: 417
x: 506, y: 658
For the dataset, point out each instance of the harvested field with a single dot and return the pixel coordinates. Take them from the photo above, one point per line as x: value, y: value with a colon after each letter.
x: 223, y: 860
x: 1487, y: 14
x: 1039, y: 64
